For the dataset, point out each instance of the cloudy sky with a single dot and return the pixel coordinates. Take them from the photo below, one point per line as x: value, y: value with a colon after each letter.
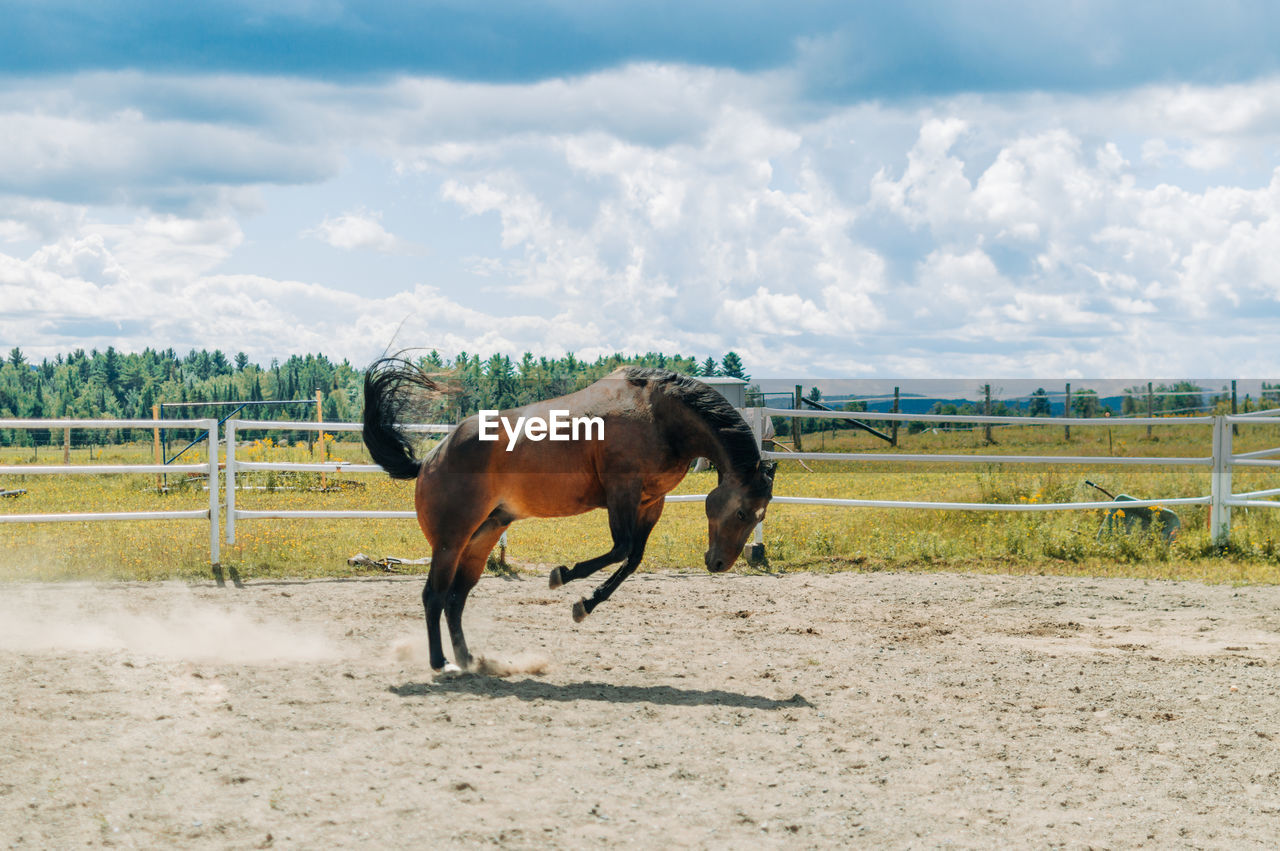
x: 968, y: 188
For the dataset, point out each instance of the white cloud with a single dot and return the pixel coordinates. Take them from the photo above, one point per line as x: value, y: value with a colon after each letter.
x: 649, y: 208
x: 357, y: 231
x: 933, y: 188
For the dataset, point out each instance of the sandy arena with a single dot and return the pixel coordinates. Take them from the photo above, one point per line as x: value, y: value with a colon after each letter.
x: 907, y: 710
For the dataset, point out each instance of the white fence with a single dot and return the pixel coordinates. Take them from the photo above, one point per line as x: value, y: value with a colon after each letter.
x: 209, y: 468
x: 235, y: 466
x: 1220, y: 461
x: 1220, y: 499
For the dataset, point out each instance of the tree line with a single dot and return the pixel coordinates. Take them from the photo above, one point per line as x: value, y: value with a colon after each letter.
x: 116, y: 385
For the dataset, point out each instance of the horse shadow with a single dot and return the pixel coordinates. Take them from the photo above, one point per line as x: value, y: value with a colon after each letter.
x: 530, y: 690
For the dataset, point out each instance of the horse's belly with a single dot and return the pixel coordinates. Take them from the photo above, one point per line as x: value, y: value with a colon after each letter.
x: 555, y: 495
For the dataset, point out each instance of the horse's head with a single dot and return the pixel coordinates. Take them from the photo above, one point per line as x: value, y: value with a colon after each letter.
x: 733, y: 510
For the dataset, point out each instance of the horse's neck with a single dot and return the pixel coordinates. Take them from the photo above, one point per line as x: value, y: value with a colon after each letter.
x: 702, y: 441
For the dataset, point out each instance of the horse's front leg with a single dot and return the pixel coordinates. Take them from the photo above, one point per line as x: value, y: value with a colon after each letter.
x: 587, y: 605
x: 623, y: 506
x: 560, y: 575
x: 647, y: 520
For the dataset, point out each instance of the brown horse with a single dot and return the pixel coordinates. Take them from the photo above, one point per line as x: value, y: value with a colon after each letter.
x: 471, y: 487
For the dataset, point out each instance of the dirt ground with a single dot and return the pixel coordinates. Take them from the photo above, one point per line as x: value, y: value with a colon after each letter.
x: 903, y: 710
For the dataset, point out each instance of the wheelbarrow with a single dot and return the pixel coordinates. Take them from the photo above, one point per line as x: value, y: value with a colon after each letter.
x: 1139, y: 518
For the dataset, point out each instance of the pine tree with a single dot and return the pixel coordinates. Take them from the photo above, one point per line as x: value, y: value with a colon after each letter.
x: 731, y: 365
x: 1039, y: 405
x: 218, y: 363
x: 111, y: 384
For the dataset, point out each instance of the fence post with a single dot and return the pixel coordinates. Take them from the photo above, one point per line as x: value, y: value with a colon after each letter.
x: 155, y: 446
x: 66, y: 446
x: 1066, y: 412
x: 796, y: 421
x: 215, y: 503
x: 1220, y: 484
x: 231, y: 481
x: 1234, y: 428
x: 986, y: 411
x: 324, y: 478
x: 1151, y: 407
x: 893, y: 433
x: 755, y: 419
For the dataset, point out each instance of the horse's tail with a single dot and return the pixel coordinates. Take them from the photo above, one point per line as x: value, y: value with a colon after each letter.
x: 392, y: 386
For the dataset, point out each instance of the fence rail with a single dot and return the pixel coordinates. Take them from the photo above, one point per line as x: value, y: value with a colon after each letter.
x: 97, y: 469
x: 987, y: 506
x: 980, y: 419
x: 886, y: 457
x: 1221, y: 461
x: 209, y: 468
x: 1220, y: 499
x: 235, y: 466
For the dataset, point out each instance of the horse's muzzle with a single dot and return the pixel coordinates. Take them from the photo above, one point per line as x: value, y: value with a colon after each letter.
x: 715, y: 563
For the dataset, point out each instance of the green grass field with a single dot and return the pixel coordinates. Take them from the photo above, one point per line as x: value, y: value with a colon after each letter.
x: 797, y: 537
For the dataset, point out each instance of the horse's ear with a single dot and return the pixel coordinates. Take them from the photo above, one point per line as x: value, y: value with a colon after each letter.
x: 767, y: 469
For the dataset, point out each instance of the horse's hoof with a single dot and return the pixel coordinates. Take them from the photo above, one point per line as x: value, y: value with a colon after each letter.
x: 580, y: 611
x: 557, y: 576
x: 450, y: 670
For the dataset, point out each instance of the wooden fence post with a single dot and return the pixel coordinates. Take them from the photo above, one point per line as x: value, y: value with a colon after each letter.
x: 893, y: 433
x: 1151, y: 407
x: 1066, y: 412
x: 66, y: 446
x: 1235, y: 430
x: 796, y: 421
x: 986, y: 411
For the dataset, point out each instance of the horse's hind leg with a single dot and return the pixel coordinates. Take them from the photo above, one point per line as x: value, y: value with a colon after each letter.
x: 444, y: 561
x: 432, y: 606
x: 470, y: 569
x: 448, y: 528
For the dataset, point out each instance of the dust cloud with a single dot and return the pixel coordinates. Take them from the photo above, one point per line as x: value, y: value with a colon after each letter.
x: 414, y: 651
x: 76, y: 619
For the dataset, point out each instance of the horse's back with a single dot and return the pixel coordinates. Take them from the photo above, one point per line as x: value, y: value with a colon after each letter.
x: 616, y: 442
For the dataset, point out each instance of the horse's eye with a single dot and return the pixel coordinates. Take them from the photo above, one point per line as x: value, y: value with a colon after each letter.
x: 742, y: 515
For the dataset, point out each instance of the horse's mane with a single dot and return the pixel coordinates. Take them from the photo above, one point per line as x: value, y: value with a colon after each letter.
x: 722, y: 419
